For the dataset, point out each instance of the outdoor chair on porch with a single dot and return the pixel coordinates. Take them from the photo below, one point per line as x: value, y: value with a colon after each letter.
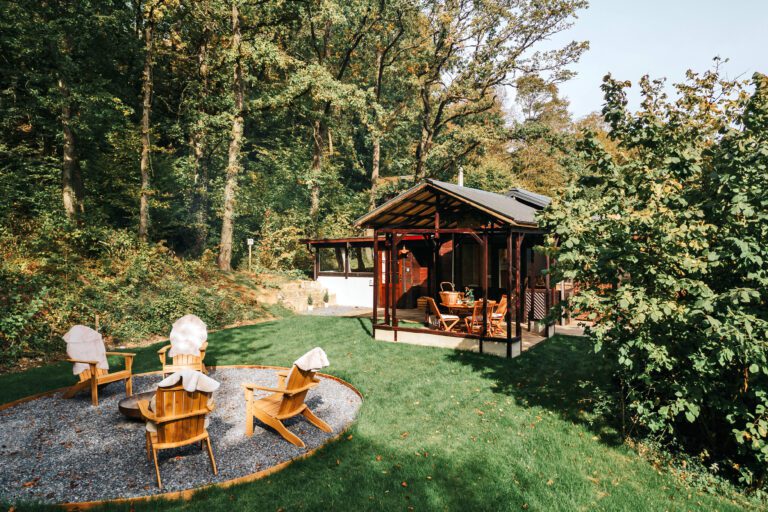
x: 444, y: 322
x: 497, y: 318
x: 474, y: 323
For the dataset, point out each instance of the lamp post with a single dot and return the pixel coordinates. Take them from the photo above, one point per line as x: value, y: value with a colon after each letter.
x: 250, y: 247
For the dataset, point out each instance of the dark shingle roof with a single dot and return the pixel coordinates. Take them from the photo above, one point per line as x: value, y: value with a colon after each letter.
x: 414, y: 207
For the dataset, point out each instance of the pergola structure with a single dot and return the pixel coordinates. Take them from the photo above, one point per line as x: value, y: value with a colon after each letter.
x: 441, y: 212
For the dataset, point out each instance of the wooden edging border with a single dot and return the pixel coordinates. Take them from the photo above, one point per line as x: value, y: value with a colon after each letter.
x: 187, y: 494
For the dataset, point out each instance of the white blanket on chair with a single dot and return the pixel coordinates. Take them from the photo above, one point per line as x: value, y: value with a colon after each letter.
x: 313, y: 360
x: 85, y: 344
x: 187, y: 336
x: 191, y: 380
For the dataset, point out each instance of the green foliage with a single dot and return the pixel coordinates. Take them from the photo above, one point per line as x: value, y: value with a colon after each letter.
x: 669, y: 248
x: 137, y: 290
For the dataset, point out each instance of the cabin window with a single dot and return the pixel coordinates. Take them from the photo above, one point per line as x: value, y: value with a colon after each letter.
x: 361, y: 260
x: 331, y: 259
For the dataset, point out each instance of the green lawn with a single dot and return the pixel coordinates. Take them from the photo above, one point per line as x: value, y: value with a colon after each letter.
x: 439, y: 430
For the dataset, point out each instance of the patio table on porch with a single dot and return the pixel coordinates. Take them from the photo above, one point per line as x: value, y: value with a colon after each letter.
x: 463, y: 310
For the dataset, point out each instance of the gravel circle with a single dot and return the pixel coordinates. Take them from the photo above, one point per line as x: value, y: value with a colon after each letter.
x: 64, y: 451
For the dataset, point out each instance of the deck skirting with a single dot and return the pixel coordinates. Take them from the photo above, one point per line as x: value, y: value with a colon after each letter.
x: 429, y: 339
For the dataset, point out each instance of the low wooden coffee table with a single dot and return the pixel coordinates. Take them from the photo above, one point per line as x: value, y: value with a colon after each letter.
x: 130, y: 406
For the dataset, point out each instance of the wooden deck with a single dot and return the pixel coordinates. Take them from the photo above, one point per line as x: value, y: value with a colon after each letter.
x: 433, y: 339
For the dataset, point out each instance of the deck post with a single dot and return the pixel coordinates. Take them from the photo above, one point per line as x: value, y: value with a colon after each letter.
x: 508, y: 314
x: 484, y: 282
x: 531, y: 287
x: 387, y: 276
x: 315, y: 263
x: 376, y: 277
x: 520, y: 303
x: 395, y: 279
x: 547, y: 296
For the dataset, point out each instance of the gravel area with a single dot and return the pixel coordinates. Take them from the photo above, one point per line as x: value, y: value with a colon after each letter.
x: 55, y: 450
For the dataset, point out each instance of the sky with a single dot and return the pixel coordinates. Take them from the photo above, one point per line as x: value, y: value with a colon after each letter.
x: 631, y: 38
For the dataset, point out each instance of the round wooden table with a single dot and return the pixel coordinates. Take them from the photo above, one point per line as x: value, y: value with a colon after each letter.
x: 463, y: 310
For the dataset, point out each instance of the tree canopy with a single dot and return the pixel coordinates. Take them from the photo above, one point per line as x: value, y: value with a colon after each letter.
x: 202, y: 122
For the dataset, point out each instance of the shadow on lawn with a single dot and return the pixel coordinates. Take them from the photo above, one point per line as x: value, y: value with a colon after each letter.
x: 562, y: 375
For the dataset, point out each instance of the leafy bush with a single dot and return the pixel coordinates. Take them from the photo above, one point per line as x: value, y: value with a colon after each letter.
x: 137, y: 290
x: 670, y: 249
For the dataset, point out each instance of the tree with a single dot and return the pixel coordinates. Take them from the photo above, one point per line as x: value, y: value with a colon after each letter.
x: 668, y: 245
x: 473, y: 48
x: 543, y: 139
x: 235, y: 141
x: 149, y: 13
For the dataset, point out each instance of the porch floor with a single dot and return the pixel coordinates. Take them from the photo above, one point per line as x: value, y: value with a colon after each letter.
x: 432, y: 339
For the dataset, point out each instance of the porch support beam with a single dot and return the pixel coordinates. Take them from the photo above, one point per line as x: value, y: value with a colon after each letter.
x: 508, y: 314
x: 484, y: 281
x: 376, y: 278
x: 387, y: 276
x: 547, y: 296
x: 519, y: 302
x: 395, y: 278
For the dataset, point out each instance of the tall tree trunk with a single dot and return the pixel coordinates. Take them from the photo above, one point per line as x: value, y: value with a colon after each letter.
x: 376, y: 157
x: 146, y: 104
x: 71, y: 179
x: 425, y: 140
x: 375, y: 170
x: 199, y: 206
x: 422, y: 151
x: 233, y: 158
x: 318, y: 147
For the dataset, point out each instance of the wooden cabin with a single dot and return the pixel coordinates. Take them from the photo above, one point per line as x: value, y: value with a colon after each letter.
x: 435, y: 233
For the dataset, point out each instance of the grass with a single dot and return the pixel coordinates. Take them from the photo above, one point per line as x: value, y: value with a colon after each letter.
x: 439, y: 430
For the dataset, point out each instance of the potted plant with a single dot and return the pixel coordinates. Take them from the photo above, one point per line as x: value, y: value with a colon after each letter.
x: 310, y: 302
x: 469, y: 296
x: 326, y: 298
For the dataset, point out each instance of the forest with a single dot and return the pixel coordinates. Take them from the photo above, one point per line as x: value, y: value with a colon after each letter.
x: 202, y: 123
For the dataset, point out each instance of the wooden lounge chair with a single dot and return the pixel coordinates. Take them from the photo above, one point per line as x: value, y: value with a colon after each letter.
x: 93, y: 377
x: 179, y: 419
x: 286, y: 402
x: 474, y: 323
x: 445, y: 322
x: 498, y: 316
x: 182, y: 361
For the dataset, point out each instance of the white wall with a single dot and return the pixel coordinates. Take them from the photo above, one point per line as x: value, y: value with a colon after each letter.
x: 353, y: 291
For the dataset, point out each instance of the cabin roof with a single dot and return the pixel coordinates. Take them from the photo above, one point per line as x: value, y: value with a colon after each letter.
x: 459, y: 207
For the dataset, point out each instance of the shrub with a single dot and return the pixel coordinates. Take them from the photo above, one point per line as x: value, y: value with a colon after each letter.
x: 670, y: 248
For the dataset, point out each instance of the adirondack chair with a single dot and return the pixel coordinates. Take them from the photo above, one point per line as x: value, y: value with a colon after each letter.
x: 444, y: 321
x: 498, y: 316
x: 286, y: 401
x: 188, y: 335
x: 94, y: 371
x: 178, y: 419
x: 182, y: 361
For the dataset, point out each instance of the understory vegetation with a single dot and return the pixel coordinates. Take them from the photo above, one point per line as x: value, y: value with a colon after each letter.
x: 440, y: 430
x: 61, y: 276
